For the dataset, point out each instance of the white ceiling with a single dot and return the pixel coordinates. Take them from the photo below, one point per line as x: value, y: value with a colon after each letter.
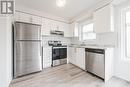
x: 70, y: 10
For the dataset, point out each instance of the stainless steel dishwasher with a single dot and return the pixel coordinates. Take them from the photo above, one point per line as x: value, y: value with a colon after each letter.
x: 95, y: 61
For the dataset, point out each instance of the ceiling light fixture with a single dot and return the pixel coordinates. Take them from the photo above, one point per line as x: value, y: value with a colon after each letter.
x: 60, y: 3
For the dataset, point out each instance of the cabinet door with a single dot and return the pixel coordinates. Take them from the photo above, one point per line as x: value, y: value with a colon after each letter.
x: 72, y: 55
x: 46, y: 27
x: 75, y: 29
x: 17, y: 16
x: 36, y: 20
x: 67, y: 30
x: 47, y: 57
x: 80, y: 59
x: 53, y: 25
x: 103, y: 20
x: 25, y: 17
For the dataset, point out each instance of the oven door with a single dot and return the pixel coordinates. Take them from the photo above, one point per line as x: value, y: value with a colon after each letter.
x: 55, y: 56
x: 63, y: 53
x: 59, y: 56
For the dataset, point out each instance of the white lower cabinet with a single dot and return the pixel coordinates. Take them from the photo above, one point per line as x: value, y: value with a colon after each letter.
x: 109, y: 63
x: 72, y: 55
x: 47, y: 57
x: 80, y: 59
x: 77, y: 56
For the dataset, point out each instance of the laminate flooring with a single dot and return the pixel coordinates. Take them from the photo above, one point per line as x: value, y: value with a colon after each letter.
x: 66, y: 75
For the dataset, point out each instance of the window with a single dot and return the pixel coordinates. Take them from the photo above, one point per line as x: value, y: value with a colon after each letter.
x: 127, y: 35
x: 87, y: 32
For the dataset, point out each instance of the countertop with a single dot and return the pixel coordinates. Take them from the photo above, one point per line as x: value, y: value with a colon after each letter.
x: 93, y: 46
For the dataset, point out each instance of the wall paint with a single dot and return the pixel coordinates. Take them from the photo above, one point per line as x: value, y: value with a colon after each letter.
x: 5, y: 51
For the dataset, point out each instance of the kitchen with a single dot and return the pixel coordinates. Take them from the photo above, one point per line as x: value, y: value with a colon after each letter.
x: 52, y: 44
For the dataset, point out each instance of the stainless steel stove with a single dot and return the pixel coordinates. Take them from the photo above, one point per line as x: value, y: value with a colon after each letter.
x: 59, y: 53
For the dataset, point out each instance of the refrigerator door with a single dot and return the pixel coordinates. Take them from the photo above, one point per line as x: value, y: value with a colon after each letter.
x: 28, y: 58
x: 26, y: 31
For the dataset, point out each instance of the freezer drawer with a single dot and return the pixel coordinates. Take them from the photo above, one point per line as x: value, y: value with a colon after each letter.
x: 25, y: 31
x: 27, y: 58
x: 95, y: 63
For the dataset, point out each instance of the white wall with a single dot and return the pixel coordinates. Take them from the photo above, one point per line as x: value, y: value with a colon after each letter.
x: 5, y: 51
x: 122, y: 66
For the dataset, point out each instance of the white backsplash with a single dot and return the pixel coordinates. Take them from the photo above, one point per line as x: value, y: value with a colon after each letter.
x: 45, y: 39
x: 102, y: 39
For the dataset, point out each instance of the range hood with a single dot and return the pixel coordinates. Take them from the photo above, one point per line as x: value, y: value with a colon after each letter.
x: 56, y: 32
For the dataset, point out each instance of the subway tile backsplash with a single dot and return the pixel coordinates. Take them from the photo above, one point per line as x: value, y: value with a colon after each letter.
x: 102, y: 39
x: 65, y: 41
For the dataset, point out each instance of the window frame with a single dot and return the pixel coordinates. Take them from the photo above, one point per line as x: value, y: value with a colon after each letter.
x: 124, y: 33
x: 88, y: 22
x: 128, y: 10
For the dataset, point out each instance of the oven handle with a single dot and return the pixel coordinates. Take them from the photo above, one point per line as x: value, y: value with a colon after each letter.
x: 59, y: 47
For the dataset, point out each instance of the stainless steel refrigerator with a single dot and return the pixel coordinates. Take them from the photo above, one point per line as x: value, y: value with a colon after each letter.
x: 27, y: 49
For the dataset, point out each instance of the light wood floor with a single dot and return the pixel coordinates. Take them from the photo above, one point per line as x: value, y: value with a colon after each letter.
x: 65, y: 76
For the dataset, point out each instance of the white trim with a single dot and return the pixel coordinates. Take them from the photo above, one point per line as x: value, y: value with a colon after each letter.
x: 81, y: 29
x: 123, y: 34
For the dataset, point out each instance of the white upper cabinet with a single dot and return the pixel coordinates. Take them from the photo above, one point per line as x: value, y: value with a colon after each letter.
x: 46, y: 27
x: 36, y: 20
x: 17, y: 16
x: 54, y: 25
x: 23, y: 17
x: 74, y: 27
x: 103, y: 20
x: 67, y: 30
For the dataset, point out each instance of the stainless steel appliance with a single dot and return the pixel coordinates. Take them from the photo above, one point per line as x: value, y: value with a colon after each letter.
x: 59, y: 53
x: 56, y: 32
x: 95, y: 61
x: 27, y: 49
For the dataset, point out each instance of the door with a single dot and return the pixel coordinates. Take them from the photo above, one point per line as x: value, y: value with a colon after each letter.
x: 25, y: 31
x: 27, y: 58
